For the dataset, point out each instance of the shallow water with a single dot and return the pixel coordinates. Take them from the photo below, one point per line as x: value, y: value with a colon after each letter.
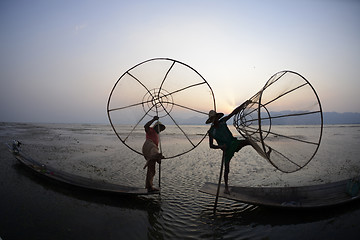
x: 33, y: 208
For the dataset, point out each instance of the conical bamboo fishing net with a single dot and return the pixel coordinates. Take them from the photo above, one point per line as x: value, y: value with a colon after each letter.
x: 169, y: 89
x: 285, y: 116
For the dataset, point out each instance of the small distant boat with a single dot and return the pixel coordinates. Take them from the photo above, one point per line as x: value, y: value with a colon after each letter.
x: 314, y: 196
x: 72, y: 179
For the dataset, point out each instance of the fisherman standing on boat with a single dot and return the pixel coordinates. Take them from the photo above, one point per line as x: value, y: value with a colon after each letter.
x: 224, y: 138
x: 151, y: 151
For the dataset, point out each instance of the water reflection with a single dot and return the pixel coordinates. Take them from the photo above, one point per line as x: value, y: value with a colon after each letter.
x: 180, y: 211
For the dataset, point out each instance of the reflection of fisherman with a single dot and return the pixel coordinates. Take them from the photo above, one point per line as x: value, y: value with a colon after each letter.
x: 151, y: 151
x: 224, y: 138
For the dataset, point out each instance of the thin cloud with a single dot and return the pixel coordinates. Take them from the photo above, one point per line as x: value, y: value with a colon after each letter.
x: 80, y: 27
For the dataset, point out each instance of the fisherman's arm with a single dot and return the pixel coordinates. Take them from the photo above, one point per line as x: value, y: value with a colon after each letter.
x: 213, y: 146
x: 236, y: 110
x: 148, y: 124
x: 157, y: 157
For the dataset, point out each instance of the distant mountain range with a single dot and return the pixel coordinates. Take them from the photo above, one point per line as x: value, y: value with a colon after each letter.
x: 341, y: 118
x: 328, y: 118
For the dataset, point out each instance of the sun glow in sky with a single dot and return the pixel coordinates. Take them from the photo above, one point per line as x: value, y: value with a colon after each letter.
x: 60, y: 59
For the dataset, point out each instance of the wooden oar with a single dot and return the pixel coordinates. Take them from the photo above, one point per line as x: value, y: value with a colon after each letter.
x: 218, y: 188
x: 158, y: 126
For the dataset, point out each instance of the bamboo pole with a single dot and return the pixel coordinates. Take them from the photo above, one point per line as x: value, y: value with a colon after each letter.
x: 218, y: 188
x: 158, y: 126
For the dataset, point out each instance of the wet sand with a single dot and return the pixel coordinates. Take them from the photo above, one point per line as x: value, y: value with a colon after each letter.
x: 32, y: 207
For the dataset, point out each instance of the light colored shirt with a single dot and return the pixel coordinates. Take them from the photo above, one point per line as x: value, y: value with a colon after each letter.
x: 153, y: 136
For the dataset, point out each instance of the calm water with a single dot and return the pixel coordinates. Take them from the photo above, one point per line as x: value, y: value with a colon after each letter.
x: 33, y: 208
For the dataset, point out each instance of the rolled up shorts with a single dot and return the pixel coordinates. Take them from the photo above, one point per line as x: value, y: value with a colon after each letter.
x: 234, y: 147
x: 149, y: 150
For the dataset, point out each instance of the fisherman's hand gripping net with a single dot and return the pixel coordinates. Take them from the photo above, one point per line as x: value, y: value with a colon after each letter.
x: 169, y: 89
x: 285, y: 117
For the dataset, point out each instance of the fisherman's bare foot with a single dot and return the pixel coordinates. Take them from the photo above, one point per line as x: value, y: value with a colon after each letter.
x: 226, y: 191
x: 268, y: 153
x: 152, y: 189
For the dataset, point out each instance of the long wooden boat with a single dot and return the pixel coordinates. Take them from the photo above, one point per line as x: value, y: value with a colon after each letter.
x: 314, y: 196
x: 73, y: 179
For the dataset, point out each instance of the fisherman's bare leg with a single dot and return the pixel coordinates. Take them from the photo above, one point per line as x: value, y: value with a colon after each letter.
x: 242, y: 144
x: 150, y: 175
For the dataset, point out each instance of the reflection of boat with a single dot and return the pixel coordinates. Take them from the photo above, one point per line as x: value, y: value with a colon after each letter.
x: 315, y: 196
x: 72, y: 179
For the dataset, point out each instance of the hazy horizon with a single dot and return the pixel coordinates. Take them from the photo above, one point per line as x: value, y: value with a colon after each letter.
x: 330, y: 118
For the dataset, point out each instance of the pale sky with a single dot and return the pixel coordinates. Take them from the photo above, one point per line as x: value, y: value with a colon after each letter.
x: 60, y: 59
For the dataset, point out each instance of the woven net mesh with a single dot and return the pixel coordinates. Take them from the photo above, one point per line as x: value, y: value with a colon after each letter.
x: 169, y: 89
x: 285, y: 118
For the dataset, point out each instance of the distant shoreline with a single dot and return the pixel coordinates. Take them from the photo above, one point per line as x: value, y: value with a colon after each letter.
x: 104, y: 124
x: 329, y: 118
